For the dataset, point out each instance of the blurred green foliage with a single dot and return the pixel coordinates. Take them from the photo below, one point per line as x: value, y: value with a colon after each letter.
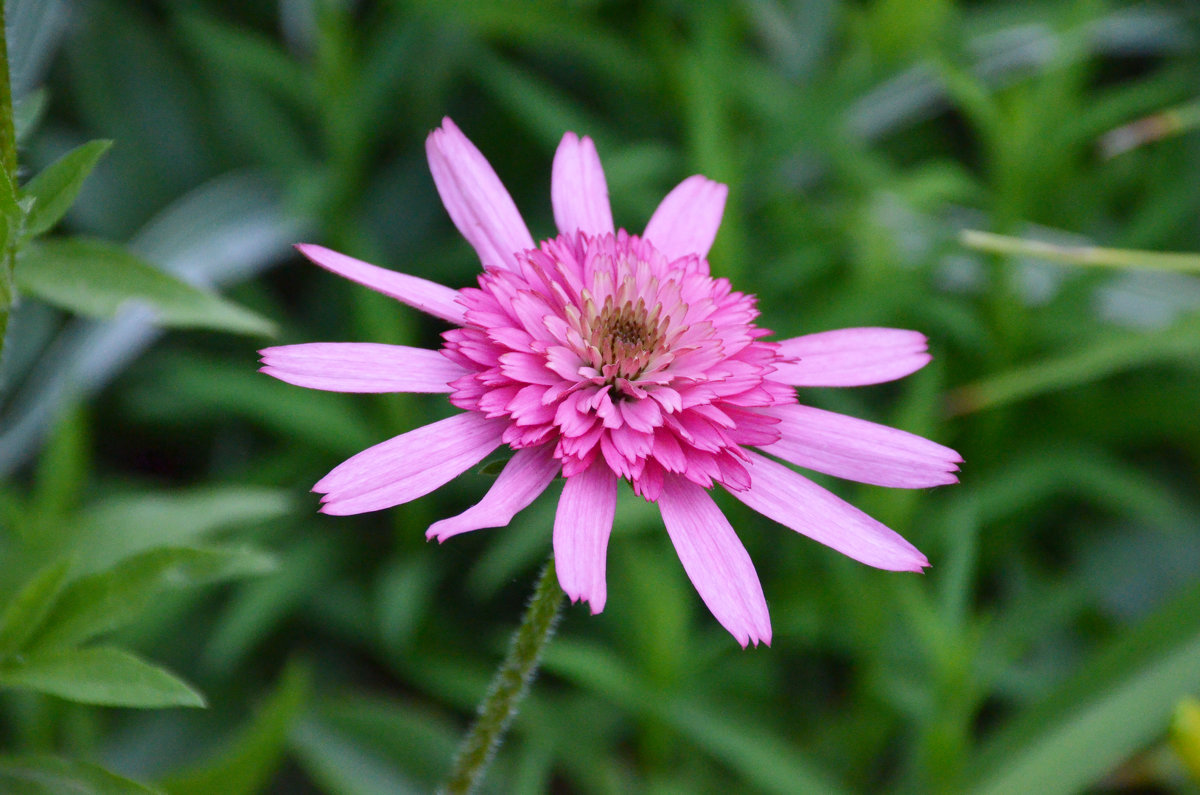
x: 1045, y: 651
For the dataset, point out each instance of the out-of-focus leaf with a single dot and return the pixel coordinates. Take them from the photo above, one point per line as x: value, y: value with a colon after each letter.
x: 1115, y: 706
x: 1102, y: 358
x: 206, y: 387
x: 403, y: 594
x: 341, y: 766
x: 255, y: 753
x: 420, y: 742
x: 96, y: 278
x: 226, y: 230
x: 27, y: 113
x: 258, y: 606
x: 1185, y: 735
x: 34, y: 30
x: 251, y: 55
x: 62, y: 471
x: 99, y: 675
x: 120, y: 526
x: 756, y: 755
x: 110, y: 599
x: 26, y: 612
x: 52, y: 775
x: 54, y: 189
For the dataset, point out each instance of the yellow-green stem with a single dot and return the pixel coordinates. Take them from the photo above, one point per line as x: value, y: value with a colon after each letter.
x: 1093, y: 256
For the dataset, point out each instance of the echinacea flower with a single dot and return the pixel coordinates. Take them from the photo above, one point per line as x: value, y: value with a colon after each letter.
x: 604, y: 356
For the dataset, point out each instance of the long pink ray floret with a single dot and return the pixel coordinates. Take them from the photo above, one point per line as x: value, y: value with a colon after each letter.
x: 715, y: 561
x: 796, y: 502
x: 408, y: 466
x: 523, y: 479
x: 418, y: 293
x: 361, y: 367
x: 851, y: 357
x: 854, y: 449
x: 578, y: 190
x: 686, y: 222
x: 475, y: 198
x: 604, y: 356
x: 581, y: 527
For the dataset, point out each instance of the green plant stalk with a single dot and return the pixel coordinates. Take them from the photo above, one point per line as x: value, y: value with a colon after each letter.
x: 1081, y: 255
x: 509, y: 686
x: 8, y: 159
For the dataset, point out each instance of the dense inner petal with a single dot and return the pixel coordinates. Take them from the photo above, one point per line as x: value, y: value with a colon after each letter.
x: 604, y: 347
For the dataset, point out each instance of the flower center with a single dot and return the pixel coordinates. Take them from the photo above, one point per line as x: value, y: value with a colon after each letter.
x: 626, y: 330
x: 623, y: 338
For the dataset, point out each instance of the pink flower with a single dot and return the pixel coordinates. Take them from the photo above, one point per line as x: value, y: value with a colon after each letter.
x: 604, y: 356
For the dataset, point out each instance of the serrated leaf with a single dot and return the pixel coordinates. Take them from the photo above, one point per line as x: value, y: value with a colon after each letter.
x: 257, y: 750
x: 51, y: 775
x: 96, y: 278
x: 101, y: 675
x: 110, y: 599
x: 55, y: 188
x: 27, y: 611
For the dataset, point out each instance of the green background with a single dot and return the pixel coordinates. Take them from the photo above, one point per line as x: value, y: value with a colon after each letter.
x: 1045, y: 649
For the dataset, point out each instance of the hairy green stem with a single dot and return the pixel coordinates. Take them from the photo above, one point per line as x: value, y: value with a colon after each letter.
x: 509, y: 686
x: 8, y: 159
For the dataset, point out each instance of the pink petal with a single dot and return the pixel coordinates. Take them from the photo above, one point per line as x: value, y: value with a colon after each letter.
x: 524, y: 477
x: 687, y: 220
x: 475, y: 198
x: 581, y: 527
x: 854, y: 449
x: 361, y: 367
x: 578, y: 191
x: 851, y: 357
x: 436, y: 299
x: 796, y: 502
x: 715, y: 560
x: 409, y: 465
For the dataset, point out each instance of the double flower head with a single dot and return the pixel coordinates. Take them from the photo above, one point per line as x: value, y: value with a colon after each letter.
x: 603, y: 356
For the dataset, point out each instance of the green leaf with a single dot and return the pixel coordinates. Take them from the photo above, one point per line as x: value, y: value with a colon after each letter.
x: 96, y: 278
x: 124, y: 525
x: 110, y: 599
x: 27, y: 611
x: 52, y: 775
x: 54, y: 190
x: 1118, y: 704
x: 258, y: 749
x: 101, y: 675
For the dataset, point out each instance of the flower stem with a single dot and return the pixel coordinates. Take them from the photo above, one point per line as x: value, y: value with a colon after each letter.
x: 509, y: 686
x: 8, y: 162
x: 1080, y: 255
